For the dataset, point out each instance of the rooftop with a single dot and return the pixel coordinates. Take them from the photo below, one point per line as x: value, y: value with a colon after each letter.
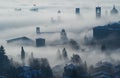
x: 19, y: 38
x: 112, y: 26
x: 114, y: 10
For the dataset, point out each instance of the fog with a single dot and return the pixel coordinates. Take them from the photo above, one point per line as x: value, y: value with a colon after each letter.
x: 15, y: 24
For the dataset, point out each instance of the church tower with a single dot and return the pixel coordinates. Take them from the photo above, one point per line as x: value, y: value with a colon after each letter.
x: 37, y: 30
x: 98, y: 12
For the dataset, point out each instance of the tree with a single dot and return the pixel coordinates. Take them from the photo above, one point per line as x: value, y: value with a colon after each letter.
x: 4, y: 62
x: 64, y: 54
x: 76, y: 59
x: 74, y: 71
x: 2, y: 51
x: 32, y: 55
x: 64, y: 37
x: 74, y: 44
x: 46, y: 69
x: 35, y: 63
x: 42, y: 64
x: 23, y: 55
x: 59, y: 56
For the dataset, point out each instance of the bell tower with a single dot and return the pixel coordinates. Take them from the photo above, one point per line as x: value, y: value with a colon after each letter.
x: 98, y: 12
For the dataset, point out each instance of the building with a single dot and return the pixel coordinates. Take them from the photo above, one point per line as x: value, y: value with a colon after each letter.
x: 114, y: 10
x: 20, y: 41
x: 98, y: 12
x: 108, y: 32
x: 40, y: 42
x: 77, y: 10
x: 25, y: 41
x: 34, y: 8
x: 37, y: 30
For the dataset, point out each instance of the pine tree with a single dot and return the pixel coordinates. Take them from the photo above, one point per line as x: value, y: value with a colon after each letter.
x: 76, y: 59
x: 64, y: 54
x: 23, y: 55
x: 85, y: 66
x: 59, y: 56
x: 4, y: 62
x: 32, y: 56
x: 31, y: 59
x: 64, y: 37
x: 2, y: 51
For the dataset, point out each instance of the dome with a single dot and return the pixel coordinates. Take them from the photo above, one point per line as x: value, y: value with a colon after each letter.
x: 114, y: 10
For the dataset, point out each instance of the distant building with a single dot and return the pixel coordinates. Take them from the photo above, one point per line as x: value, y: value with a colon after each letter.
x: 98, y: 12
x: 21, y: 41
x: 37, y: 30
x: 77, y: 10
x: 40, y: 42
x: 34, y: 8
x: 25, y: 41
x: 114, y: 10
x: 107, y: 31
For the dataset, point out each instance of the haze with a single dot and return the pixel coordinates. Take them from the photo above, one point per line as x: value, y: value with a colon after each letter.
x: 15, y: 24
